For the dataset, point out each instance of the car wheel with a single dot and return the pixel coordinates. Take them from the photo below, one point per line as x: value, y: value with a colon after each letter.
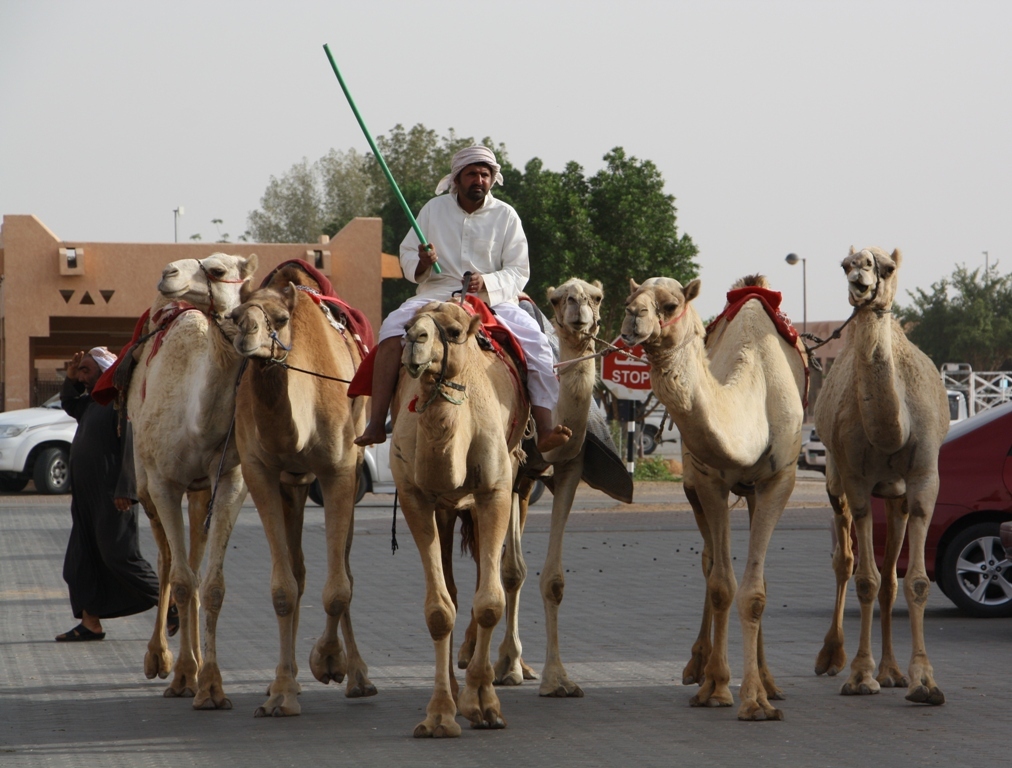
x: 649, y: 439
x: 536, y: 491
x: 51, y: 472
x: 977, y: 574
x: 13, y: 483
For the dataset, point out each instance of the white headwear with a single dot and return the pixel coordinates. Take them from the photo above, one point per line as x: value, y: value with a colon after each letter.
x: 464, y: 158
x: 102, y: 357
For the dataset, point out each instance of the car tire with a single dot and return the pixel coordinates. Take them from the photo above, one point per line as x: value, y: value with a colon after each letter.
x: 649, y: 439
x: 316, y: 493
x: 52, y: 473
x: 13, y: 483
x: 976, y: 573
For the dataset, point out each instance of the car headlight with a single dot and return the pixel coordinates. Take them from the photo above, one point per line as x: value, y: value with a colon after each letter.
x: 12, y: 430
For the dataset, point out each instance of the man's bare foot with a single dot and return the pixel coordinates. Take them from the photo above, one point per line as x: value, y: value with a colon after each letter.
x: 558, y: 436
x: 372, y: 435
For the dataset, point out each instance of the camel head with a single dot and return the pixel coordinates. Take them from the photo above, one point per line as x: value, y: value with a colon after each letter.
x: 659, y: 310
x: 577, y: 306
x: 871, y: 277
x: 214, y: 285
x: 434, y: 338
x: 263, y: 327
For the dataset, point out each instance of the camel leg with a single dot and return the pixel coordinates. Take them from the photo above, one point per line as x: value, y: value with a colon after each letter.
x: 227, y: 505
x: 265, y: 488
x: 720, y: 589
x: 771, y: 497
x: 167, y: 500
x: 440, y: 615
x: 555, y: 681
x: 862, y: 668
x: 158, y: 659
x: 196, y: 513
x: 832, y: 657
x: 328, y: 660
x: 702, y: 648
x: 921, y: 500
x: 773, y: 691
x: 478, y: 701
x: 889, y: 675
x: 514, y: 571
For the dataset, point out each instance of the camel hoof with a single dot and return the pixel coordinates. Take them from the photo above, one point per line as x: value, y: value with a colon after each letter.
x: 690, y: 679
x: 561, y: 691
x: 209, y: 703
x: 776, y: 695
x: 861, y: 689
x: 489, y: 721
x: 361, y: 691
x: 712, y: 701
x: 442, y: 729
x: 893, y: 681
x: 830, y: 661
x: 756, y: 713
x: 179, y: 693
x: 510, y: 678
x: 923, y: 695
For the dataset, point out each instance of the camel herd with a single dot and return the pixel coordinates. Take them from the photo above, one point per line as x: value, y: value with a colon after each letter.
x: 241, y: 390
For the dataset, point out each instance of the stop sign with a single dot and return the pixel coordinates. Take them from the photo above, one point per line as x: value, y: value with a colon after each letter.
x: 626, y: 378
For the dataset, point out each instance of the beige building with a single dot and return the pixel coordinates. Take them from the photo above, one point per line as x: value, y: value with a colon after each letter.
x: 60, y: 296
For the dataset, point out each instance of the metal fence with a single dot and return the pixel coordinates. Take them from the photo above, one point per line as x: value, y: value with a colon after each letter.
x: 982, y: 389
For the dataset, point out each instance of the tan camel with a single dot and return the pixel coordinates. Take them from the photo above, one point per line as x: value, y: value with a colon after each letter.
x: 882, y: 414
x: 180, y: 405
x: 459, y: 416
x: 292, y: 425
x: 576, y: 306
x: 738, y: 406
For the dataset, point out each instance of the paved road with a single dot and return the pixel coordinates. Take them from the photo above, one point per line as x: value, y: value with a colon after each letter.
x: 630, y: 615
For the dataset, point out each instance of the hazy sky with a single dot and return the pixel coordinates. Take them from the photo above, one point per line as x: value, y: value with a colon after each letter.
x: 779, y: 126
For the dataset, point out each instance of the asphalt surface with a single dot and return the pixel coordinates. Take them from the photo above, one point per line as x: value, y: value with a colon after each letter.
x: 630, y: 614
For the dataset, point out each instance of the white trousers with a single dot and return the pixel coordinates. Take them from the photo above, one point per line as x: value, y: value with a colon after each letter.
x: 542, y: 384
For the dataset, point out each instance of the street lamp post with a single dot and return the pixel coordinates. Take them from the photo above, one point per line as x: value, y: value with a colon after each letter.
x: 792, y: 259
x: 175, y: 223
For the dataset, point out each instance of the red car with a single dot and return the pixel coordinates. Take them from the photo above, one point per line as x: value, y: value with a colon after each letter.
x: 963, y: 553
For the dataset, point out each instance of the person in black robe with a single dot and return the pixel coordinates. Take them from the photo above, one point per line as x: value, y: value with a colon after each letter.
x: 104, y: 568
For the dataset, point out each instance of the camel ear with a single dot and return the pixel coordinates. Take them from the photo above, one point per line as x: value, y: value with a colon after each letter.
x: 291, y: 294
x: 897, y: 257
x: 691, y: 291
x: 474, y: 325
x: 249, y: 267
x: 245, y: 291
x: 853, y: 250
x: 633, y: 287
x: 597, y: 284
x: 553, y: 299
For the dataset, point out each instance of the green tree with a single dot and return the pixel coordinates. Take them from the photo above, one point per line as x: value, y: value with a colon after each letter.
x: 291, y: 208
x: 965, y: 318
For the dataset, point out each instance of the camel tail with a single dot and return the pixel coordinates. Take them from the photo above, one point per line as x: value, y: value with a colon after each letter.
x: 466, y: 533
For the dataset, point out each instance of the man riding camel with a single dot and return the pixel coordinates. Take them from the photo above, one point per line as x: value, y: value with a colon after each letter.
x: 469, y: 231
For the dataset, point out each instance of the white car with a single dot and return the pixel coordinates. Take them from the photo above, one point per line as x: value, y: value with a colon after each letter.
x: 35, y: 445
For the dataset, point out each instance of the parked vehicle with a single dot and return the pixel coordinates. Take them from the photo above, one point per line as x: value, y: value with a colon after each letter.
x: 35, y: 445
x: 964, y: 553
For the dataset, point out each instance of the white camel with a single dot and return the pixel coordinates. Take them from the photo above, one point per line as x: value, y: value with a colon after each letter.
x: 180, y: 403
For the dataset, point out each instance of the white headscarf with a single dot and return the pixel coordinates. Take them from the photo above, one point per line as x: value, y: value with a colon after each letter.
x: 464, y: 158
x: 102, y: 357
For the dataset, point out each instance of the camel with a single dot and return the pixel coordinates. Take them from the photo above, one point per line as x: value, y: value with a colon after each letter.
x: 292, y: 425
x: 737, y: 402
x: 882, y: 414
x: 459, y: 416
x: 576, y: 307
x: 180, y: 404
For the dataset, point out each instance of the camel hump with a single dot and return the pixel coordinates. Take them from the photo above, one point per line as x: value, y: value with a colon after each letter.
x: 751, y: 281
x: 291, y: 272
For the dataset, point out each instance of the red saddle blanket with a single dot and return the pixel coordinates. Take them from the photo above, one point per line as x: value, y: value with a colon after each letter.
x: 770, y: 300
x: 501, y: 338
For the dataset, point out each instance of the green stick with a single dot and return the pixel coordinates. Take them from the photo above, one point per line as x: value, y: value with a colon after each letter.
x: 379, y: 158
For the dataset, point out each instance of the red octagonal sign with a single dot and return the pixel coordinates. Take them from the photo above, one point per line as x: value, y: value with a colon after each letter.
x: 626, y: 378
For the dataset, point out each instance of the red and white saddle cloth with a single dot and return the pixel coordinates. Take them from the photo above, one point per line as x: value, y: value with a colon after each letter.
x: 770, y: 301
x: 496, y: 335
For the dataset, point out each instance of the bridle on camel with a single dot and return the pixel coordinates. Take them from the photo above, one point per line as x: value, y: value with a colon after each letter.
x: 813, y: 361
x: 212, y: 311
x: 441, y: 381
